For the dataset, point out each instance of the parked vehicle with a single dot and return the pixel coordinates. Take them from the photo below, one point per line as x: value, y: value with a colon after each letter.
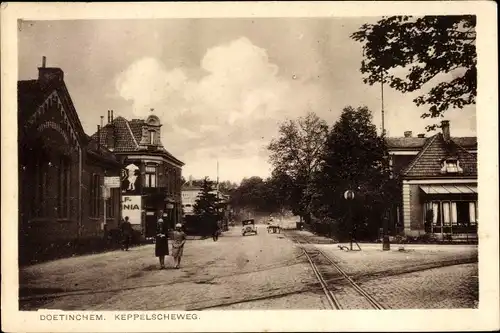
x: 249, y: 227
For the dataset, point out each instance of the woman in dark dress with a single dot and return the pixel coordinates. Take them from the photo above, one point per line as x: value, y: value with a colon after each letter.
x: 161, y: 242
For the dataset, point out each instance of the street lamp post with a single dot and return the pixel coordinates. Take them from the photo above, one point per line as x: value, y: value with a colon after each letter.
x: 386, y: 244
x: 349, y: 196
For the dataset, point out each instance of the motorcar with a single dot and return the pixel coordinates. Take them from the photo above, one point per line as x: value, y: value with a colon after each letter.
x: 248, y: 227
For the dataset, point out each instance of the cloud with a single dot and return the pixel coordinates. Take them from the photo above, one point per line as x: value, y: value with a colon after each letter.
x: 232, y: 109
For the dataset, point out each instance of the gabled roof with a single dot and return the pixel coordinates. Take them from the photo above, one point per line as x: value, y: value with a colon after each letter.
x: 30, y: 96
x: 412, y: 143
x: 124, y: 138
x: 127, y: 135
x: 428, y: 161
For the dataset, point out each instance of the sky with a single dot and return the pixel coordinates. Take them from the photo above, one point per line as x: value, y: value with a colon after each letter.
x: 221, y: 86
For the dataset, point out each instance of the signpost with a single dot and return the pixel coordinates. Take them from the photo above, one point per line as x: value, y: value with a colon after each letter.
x: 349, y: 196
x: 106, y: 193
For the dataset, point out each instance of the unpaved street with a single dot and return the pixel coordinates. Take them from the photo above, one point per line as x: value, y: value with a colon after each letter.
x: 263, y: 271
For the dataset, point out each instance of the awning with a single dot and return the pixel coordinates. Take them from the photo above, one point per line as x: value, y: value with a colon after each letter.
x: 449, y: 189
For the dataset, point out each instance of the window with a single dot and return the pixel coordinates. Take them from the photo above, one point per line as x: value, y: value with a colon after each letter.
x: 151, y: 137
x: 150, y: 180
x: 111, y: 203
x: 95, y: 195
x: 41, y: 194
x: 63, y: 181
x: 453, y: 216
x: 446, y: 213
x: 451, y: 166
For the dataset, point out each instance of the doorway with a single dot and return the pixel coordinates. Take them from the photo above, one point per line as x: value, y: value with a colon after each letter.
x: 150, y: 231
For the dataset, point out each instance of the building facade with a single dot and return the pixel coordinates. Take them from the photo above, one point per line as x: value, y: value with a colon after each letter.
x: 439, y: 184
x: 151, y: 177
x: 190, y: 193
x: 61, y: 169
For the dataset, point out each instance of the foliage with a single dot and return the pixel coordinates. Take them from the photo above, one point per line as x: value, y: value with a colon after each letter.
x: 206, y: 204
x: 295, y: 157
x: 425, y: 47
x: 257, y: 194
x: 226, y: 187
x: 354, y: 157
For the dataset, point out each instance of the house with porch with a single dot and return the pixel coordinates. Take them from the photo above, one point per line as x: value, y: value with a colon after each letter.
x: 439, y: 184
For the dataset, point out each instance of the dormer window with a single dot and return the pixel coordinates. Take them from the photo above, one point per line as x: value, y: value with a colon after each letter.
x: 451, y: 165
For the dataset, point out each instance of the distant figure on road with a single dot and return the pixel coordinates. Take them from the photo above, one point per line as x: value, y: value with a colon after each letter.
x: 126, y: 229
x: 179, y: 238
x: 161, y: 242
x: 215, y: 230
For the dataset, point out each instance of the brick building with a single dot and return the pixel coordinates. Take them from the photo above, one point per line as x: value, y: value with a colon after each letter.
x: 151, y: 178
x: 61, y: 169
x: 439, y: 184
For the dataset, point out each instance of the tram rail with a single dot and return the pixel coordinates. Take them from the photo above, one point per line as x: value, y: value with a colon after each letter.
x: 332, y: 298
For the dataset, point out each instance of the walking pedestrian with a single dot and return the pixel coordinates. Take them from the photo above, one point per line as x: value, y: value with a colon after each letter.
x: 215, y: 231
x: 179, y: 239
x: 161, y: 242
x: 126, y: 229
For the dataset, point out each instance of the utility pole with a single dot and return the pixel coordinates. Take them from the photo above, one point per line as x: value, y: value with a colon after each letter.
x: 382, y: 93
x: 386, y: 245
x: 217, y: 193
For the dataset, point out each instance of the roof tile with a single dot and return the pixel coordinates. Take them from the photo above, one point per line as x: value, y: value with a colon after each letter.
x: 428, y: 161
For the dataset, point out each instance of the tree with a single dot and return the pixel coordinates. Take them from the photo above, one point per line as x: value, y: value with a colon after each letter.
x: 258, y: 195
x: 295, y: 156
x: 425, y: 47
x: 226, y: 187
x: 206, y: 203
x: 354, y: 157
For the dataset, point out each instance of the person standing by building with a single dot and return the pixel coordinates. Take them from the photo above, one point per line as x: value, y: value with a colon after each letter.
x: 161, y: 242
x: 179, y: 239
x: 126, y: 229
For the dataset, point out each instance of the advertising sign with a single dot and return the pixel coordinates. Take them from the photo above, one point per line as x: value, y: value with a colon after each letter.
x: 112, y: 182
x: 131, y: 180
x: 131, y: 207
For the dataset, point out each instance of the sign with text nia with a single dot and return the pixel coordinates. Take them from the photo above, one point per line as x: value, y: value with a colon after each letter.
x: 132, y: 207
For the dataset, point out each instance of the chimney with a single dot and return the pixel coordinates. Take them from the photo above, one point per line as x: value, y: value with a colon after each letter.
x: 110, y: 132
x: 421, y: 135
x: 98, y: 137
x: 49, y: 75
x: 408, y: 134
x: 445, y: 127
x: 44, y: 61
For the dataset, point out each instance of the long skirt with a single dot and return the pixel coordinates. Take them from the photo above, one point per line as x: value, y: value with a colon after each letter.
x: 161, y: 246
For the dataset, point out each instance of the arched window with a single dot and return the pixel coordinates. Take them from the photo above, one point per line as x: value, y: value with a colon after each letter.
x: 151, y: 137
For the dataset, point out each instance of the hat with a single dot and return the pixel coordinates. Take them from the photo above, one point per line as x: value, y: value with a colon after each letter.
x: 178, y: 225
x: 160, y: 220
